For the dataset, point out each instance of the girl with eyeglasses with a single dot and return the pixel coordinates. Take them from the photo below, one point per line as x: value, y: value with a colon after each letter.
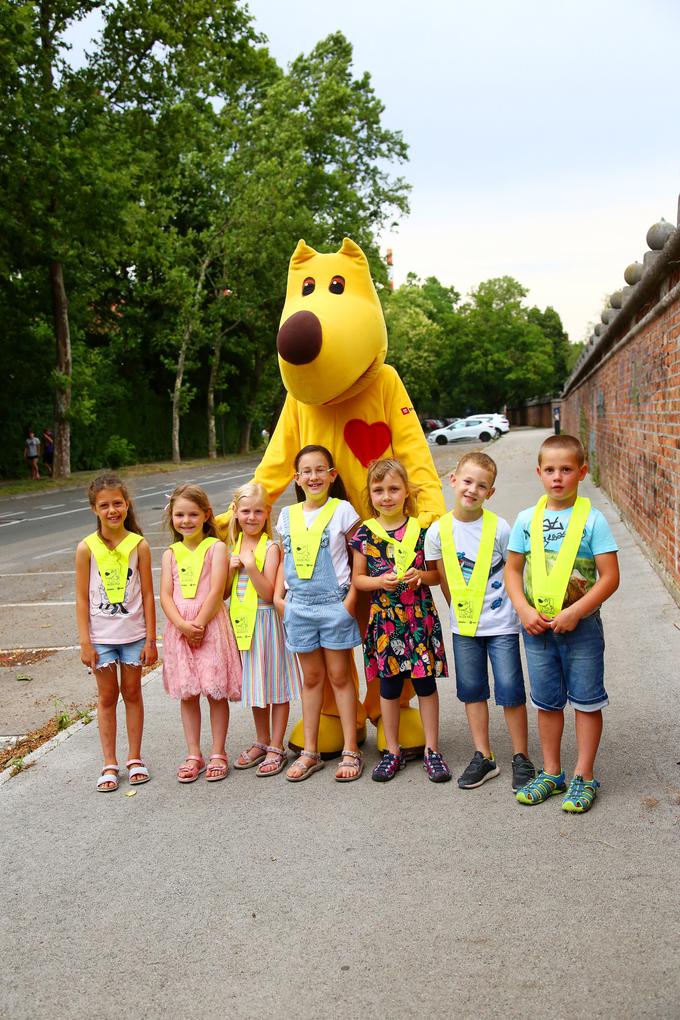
x: 313, y: 597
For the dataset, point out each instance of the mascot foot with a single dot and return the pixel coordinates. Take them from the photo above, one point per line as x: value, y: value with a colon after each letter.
x: 331, y: 740
x: 411, y: 734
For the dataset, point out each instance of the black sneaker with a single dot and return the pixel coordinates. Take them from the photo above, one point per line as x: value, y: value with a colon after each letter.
x: 478, y: 771
x: 523, y: 771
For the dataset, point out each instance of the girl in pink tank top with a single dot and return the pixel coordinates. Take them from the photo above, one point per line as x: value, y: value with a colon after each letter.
x: 200, y: 656
x: 116, y: 617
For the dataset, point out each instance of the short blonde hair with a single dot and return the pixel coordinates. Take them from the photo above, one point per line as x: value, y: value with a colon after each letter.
x: 248, y: 491
x: 563, y: 442
x: 482, y: 460
x: 377, y: 470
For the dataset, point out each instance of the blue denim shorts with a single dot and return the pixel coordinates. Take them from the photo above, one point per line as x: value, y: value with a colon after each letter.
x: 472, y: 674
x: 568, y: 667
x: 311, y: 624
x: 127, y: 655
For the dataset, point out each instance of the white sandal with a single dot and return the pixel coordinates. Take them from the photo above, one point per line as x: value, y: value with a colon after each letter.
x: 307, y: 770
x: 106, y: 777
x: 139, y: 770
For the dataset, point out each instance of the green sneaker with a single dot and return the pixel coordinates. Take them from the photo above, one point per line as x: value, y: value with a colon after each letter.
x: 542, y: 787
x: 580, y: 795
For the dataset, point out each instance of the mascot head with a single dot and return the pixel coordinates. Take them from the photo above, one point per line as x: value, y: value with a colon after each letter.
x: 332, y: 339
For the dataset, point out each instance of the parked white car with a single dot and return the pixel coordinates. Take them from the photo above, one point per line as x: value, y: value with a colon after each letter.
x: 499, y: 421
x: 467, y: 428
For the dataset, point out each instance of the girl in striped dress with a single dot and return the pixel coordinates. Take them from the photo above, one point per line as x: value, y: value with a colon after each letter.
x: 271, y: 674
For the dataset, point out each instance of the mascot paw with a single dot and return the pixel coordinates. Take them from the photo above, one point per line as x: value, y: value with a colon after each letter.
x: 411, y: 733
x: 331, y: 740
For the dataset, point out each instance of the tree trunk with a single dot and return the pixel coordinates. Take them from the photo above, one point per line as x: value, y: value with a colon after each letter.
x: 62, y: 392
x: 214, y: 369
x: 244, y: 439
x: 181, y: 360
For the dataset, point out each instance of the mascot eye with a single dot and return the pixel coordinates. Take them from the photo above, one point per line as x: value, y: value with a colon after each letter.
x: 337, y: 285
x: 308, y: 286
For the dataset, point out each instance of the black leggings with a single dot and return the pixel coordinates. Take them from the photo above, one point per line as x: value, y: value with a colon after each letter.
x: 392, y: 686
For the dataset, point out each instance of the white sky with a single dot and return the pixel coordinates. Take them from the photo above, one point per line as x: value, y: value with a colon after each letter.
x: 543, y: 135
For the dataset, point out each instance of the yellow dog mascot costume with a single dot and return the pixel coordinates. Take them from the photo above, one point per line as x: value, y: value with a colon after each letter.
x: 331, y: 344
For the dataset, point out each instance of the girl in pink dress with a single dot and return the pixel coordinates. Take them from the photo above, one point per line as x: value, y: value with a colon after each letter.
x: 199, y: 651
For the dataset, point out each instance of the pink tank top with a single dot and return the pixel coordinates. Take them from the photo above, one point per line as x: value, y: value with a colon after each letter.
x: 116, y: 624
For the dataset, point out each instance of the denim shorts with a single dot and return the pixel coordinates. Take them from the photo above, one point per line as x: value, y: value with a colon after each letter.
x: 312, y: 624
x: 127, y: 655
x: 568, y: 667
x: 472, y: 674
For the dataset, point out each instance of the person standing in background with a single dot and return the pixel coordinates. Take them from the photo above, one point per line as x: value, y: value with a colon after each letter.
x: 32, y: 453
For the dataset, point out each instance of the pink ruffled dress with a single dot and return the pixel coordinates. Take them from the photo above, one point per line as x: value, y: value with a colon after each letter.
x: 212, y: 668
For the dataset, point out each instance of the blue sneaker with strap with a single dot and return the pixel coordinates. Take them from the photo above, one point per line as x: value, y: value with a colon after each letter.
x: 435, y: 766
x: 580, y: 795
x: 388, y: 766
x: 542, y: 787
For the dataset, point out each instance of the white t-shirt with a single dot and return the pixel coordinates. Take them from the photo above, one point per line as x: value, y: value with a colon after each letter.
x: 498, y: 615
x: 344, y: 518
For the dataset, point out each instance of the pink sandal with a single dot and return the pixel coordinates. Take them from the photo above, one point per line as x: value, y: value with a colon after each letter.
x: 194, y: 769
x: 222, y: 769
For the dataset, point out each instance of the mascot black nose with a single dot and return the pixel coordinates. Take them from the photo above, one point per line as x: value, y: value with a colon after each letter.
x: 299, y: 339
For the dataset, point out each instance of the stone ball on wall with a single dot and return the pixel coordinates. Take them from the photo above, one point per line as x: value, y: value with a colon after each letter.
x: 616, y: 299
x: 658, y: 234
x: 605, y: 314
x: 633, y: 273
x: 598, y: 328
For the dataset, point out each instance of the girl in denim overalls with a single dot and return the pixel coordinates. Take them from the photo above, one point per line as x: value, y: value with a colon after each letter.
x: 314, y: 579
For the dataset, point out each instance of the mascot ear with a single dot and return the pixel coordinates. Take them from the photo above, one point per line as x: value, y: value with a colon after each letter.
x: 302, y: 254
x: 353, y: 250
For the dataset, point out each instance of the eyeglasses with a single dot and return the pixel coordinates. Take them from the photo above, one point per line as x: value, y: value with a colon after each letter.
x: 311, y: 472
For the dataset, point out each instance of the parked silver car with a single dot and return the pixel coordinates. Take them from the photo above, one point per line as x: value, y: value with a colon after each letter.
x: 467, y: 428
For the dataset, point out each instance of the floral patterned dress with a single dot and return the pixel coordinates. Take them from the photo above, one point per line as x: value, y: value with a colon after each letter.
x: 404, y: 635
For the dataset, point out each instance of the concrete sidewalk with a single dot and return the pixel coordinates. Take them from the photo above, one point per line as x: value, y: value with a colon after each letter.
x: 260, y: 899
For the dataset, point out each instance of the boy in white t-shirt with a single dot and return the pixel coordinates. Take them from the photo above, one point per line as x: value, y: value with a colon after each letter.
x: 485, y: 628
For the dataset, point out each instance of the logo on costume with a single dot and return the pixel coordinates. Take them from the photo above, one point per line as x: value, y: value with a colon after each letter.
x: 406, y: 410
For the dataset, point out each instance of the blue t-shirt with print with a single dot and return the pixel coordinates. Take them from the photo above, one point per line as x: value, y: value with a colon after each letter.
x: 597, y: 539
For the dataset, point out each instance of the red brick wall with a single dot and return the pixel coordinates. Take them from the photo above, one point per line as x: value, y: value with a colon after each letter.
x: 628, y: 417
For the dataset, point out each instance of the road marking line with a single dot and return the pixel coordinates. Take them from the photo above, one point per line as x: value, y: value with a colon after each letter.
x: 32, y: 605
x: 55, y: 552
x: 51, y: 506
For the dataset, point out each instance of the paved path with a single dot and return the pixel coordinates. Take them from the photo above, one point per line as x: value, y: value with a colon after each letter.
x: 251, y: 899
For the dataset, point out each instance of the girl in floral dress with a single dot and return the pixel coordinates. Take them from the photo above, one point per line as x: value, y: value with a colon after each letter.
x: 403, y: 639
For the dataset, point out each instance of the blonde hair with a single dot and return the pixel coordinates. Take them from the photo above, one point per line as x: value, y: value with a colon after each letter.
x: 481, y: 460
x: 377, y: 470
x: 248, y: 491
x: 563, y: 442
x: 195, y: 495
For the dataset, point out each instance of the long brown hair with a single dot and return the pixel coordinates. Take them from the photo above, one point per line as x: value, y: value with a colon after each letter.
x: 377, y: 470
x: 102, y: 482
x: 195, y: 495
x: 247, y: 491
x: 337, y: 488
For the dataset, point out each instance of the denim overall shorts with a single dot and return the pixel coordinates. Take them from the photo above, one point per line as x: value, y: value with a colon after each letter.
x: 315, y: 616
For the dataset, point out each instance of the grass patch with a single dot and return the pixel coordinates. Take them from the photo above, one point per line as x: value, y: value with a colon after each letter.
x: 14, y: 756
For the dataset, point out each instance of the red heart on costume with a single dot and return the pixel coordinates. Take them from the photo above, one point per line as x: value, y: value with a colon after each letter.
x: 367, y: 442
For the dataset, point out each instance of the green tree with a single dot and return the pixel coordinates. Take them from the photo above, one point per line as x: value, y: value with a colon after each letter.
x: 550, y: 324
x: 507, y: 358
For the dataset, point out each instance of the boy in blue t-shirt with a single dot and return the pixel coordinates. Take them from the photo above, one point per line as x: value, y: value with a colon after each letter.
x: 565, y: 654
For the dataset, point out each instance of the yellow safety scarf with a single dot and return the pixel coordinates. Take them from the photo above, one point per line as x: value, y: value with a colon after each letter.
x: 113, y: 564
x: 190, y: 565
x: 305, y: 541
x: 404, y: 552
x: 243, y: 611
x: 467, y: 599
x: 549, y: 589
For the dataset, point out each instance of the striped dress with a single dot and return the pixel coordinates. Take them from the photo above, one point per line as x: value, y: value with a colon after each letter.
x: 271, y: 674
